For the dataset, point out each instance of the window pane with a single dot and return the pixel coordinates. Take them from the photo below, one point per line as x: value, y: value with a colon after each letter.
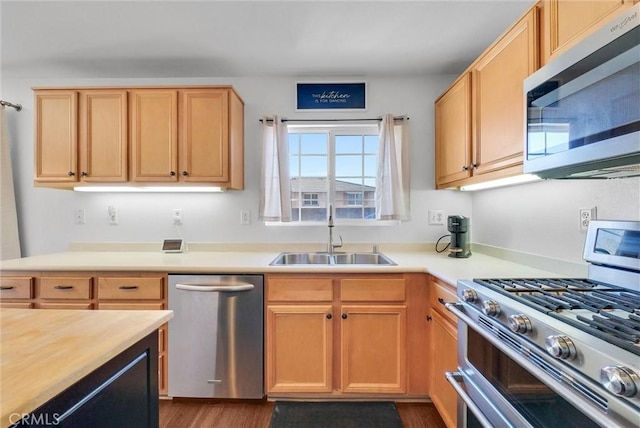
x: 313, y: 144
x: 349, y: 165
x: 371, y: 144
x: 294, y: 166
x: 370, y: 182
x: 313, y: 166
x: 348, y: 144
x: 370, y: 165
x: 294, y: 146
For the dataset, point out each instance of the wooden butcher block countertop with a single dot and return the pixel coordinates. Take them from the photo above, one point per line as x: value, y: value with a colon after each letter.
x: 44, y: 351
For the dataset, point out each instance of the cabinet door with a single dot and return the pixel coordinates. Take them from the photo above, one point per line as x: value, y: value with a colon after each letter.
x: 498, y: 97
x: 103, y: 135
x: 453, y: 133
x: 204, y: 135
x: 299, y: 348
x: 56, y: 136
x: 568, y: 21
x: 373, y: 349
x: 443, y: 358
x: 154, y: 135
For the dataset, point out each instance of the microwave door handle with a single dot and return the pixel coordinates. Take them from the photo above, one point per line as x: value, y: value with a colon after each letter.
x: 454, y: 378
x: 228, y: 288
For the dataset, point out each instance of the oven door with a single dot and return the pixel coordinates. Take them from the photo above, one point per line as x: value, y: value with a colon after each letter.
x: 496, y: 387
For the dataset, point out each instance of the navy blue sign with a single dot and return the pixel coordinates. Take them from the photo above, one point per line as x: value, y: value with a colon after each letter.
x: 331, y: 96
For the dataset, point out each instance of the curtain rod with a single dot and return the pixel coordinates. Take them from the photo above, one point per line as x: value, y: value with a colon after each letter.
x: 379, y: 119
x: 18, y: 107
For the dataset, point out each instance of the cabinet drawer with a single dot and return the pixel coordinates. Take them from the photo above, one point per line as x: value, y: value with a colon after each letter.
x: 130, y: 288
x: 132, y: 306
x: 372, y: 290
x: 60, y: 287
x: 300, y: 289
x: 84, y: 306
x: 16, y: 287
x: 14, y: 305
x: 440, y: 290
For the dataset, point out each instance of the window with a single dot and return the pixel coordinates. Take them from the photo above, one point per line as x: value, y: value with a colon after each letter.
x: 310, y: 200
x: 333, y: 165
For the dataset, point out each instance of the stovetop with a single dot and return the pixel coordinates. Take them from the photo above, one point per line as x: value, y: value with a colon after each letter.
x: 606, y: 311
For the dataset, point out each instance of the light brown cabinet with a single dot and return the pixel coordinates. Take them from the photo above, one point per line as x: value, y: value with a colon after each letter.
x: 453, y: 133
x: 566, y: 22
x: 81, y: 136
x: 443, y: 351
x: 334, y: 335
x: 56, y: 136
x: 139, y: 136
x: 480, y: 119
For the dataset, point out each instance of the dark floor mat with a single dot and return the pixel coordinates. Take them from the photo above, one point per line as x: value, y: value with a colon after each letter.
x: 294, y: 414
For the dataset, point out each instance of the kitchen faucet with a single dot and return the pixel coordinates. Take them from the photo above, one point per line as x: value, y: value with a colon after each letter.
x: 330, y: 245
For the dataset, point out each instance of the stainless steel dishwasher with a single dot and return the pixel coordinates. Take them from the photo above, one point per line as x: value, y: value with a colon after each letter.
x: 216, y: 336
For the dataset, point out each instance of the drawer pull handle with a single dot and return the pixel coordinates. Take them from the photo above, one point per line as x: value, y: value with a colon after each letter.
x: 63, y: 287
x: 7, y: 287
x: 128, y: 287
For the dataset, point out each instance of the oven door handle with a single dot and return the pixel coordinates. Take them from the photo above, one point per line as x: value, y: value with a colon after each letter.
x: 455, y: 378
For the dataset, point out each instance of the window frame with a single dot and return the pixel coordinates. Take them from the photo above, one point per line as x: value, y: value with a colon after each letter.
x: 333, y: 129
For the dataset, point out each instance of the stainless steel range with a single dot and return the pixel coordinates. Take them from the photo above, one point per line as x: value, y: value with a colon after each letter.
x: 546, y: 352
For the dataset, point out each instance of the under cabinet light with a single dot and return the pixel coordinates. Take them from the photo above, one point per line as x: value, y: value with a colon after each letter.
x: 501, y: 182
x: 150, y: 189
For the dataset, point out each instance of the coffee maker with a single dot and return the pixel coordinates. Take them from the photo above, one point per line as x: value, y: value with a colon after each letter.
x: 459, y: 228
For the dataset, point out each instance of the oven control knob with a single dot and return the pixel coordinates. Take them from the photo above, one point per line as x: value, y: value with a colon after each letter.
x: 469, y: 295
x: 561, y: 347
x: 491, y: 308
x: 620, y: 380
x: 519, y: 323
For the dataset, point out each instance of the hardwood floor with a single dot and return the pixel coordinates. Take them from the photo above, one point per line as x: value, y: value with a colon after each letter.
x: 257, y: 414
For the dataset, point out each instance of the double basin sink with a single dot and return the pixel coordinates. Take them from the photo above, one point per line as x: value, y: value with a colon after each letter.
x: 292, y: 259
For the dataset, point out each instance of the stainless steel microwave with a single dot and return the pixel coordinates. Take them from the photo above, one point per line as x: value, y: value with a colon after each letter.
x: 583, y: 108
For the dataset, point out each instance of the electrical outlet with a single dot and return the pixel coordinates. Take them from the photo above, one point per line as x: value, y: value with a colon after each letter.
x: 436, y: 217
x: 113, y: 215
x: 177, y: 216
x: 245, y: 217
x: 586, y: 215
x: 79, y: 216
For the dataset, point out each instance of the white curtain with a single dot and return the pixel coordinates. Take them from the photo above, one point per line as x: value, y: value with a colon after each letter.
x: 275, y: 189
x: 9, y: 225
x: 392, y: 178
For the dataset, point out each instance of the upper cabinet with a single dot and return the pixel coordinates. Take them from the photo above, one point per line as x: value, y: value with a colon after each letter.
x: 139, y: 136
x: 480, y: 119
x: 154, y: 135
x: 566, y: 22
x: 56, y: 134
x: 498, y: 98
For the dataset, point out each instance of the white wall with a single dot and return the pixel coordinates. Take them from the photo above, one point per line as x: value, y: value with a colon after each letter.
x: 543, y: 217
x: 46, y: 215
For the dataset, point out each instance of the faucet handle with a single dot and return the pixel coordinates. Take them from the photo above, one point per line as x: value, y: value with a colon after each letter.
x: 338, y: 245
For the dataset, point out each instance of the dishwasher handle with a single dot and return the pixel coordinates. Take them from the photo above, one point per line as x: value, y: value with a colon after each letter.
x: 225, y: 288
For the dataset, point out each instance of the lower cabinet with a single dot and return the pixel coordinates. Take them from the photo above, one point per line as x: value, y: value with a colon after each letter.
x: 344, y: 335
x: 443, y: 351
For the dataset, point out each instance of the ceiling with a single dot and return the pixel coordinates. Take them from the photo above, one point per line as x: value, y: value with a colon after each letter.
x: 248, y: 38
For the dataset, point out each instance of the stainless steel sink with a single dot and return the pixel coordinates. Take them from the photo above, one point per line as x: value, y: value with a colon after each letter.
x: 302, y: 259
x: 362, y: 259
x: 292, y: 259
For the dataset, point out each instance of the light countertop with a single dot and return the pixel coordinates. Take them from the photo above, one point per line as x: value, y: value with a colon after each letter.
x: 235, y: 261
x: 43, y: 352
